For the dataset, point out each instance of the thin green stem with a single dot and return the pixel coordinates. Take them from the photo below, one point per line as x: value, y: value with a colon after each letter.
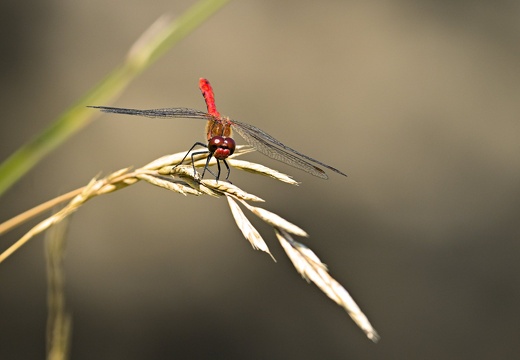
x: 154, y: 43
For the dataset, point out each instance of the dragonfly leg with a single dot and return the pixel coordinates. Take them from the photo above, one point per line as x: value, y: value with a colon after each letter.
x: 217, y: 176
x: 191, y: 148
x: 186, y: 155
x: 218, y: 167
x: 206, y: 167
x: 228, y: 169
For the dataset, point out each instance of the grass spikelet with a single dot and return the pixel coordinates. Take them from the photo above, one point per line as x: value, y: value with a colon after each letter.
x: 228, y: 188
x: 275, y: 220
x: 312, y: 269
x: 248, y: 230
x: 169, y: 184
x: 261, y: 170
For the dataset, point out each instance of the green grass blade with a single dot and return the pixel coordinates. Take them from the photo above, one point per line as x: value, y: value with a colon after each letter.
x: 154, y: 43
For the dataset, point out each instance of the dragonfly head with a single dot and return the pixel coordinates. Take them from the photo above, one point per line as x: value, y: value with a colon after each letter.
x: 221, y: 147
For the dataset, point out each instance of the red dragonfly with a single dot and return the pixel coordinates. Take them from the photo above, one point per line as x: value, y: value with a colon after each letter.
x: 220, y: 144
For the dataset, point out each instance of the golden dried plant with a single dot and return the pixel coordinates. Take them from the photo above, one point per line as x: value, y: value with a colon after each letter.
x: 167, y: 173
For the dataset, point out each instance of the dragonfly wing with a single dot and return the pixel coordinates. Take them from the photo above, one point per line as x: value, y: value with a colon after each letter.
x: 269, y: 146
x: 157, y: 113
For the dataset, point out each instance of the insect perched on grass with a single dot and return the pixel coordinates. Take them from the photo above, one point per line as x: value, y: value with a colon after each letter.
x: 220, y: 143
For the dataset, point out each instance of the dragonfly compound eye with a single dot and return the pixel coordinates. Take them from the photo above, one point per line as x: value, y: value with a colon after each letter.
x: 221, y: 147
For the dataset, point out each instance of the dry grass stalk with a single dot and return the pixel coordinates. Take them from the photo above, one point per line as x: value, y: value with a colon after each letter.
x: 166, y: 173
x: 59, y: 320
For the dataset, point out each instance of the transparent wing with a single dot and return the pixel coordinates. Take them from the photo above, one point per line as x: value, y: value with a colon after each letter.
x: 157, y: 113
x: 269, y: 146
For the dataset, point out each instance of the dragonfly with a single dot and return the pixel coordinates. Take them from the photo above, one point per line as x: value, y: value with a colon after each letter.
x: 221, y: 145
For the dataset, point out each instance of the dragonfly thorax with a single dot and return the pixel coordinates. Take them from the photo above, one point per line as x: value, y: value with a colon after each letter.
x: 218, y: 127
x: 221, y: 147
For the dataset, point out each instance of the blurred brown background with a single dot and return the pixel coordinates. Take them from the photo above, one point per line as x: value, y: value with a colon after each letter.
x: 417, y: 101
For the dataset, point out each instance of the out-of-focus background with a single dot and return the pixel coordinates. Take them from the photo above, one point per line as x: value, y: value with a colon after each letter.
x: 417, y: 101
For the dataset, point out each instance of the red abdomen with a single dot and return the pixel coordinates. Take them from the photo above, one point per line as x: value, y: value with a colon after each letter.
x: 209, y: 97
